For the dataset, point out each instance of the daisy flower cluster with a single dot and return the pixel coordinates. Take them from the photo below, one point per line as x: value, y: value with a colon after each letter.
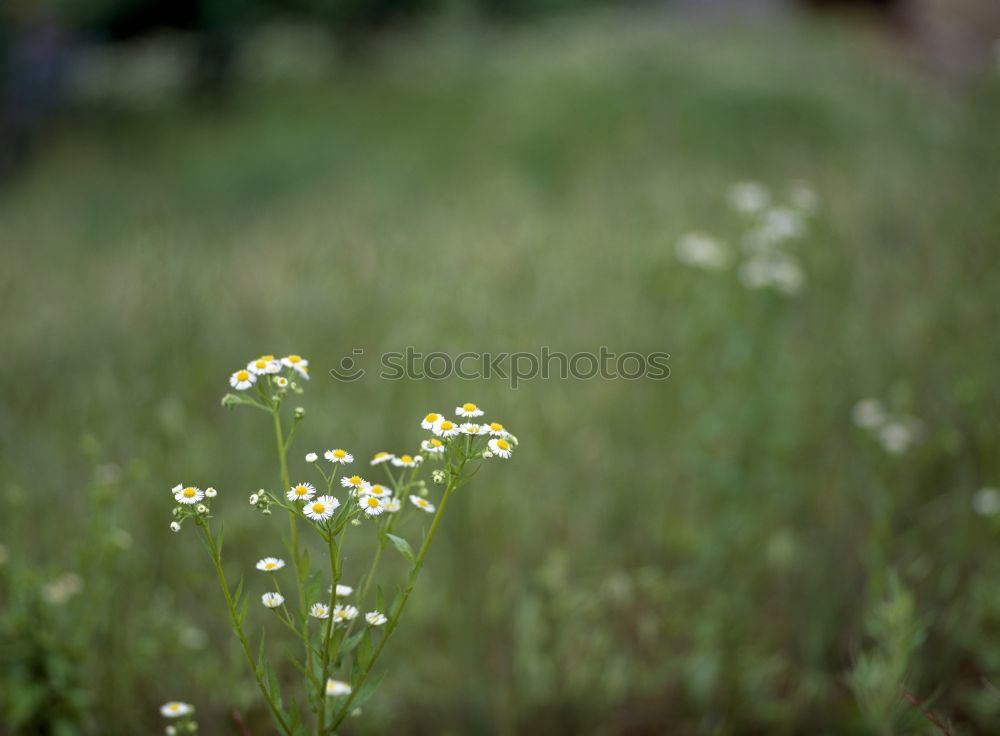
x: 895, y: 431
x: 769, y: 228
x: 342, y: 496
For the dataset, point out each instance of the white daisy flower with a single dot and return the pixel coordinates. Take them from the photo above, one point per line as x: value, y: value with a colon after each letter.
x: 344, y: 613
x: 356, y: 483
x: 392, y: 505
x: 749, y: 197
x: 337, y: 688
x: 407, y: 461
x: 270, y: 564
x: 281, y: 382
x: 378, y: 490
x: 174, y: 709
x: 211, y: 493
x: 187, y: 494
x: 272, y: 600
x: 471, y: 428
x: 311, y: 457
x: 321, y: 509
x: 468, y: 410
x: 896, y: 437
x: 422, y: 503
x: 264, y: 365
x: 701, y: 251
x: 371, y: 505
x: 445, y: 428
x: 242, y: 380
x: 496, y: 429
x: 430, y: 420
x: 868, y: 413
x: 301, y: 492
x: 381, y: 457
x: 294, y: 361
x: 986, y: 502
x: 375, y: 618
x: 319, y: 610
x: 338, y: 456
x: 433, y: 446
x: 500, y: 446
x: 174, y: 526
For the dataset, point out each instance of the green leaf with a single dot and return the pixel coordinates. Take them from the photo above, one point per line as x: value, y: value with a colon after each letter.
x: 365, y: 649
x: 367, y: 690
x: 379, y: 599
x: 348, y: 646
x: 260, y: 651
x: 403, y: 546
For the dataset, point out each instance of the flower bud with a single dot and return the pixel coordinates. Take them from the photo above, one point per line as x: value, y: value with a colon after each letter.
x: 254, y: 499
x: 355, y: 522
x: 438, y: 476
x: 201, y: 509
x: 211, y: 493
x: 299, y: 412
x: 174, y: 526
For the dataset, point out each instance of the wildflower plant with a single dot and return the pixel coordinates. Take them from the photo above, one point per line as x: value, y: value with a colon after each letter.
x: 342, y: 629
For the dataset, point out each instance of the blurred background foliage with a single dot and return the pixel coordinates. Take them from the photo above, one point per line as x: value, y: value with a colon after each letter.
x: 720, y: 553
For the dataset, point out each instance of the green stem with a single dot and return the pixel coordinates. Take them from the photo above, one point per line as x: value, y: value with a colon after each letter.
x: 334, y: 550
x: 238, y: 628
x: 410, y: 583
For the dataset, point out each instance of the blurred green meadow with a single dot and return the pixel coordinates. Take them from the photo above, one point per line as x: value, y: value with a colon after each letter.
x: 723, y: 552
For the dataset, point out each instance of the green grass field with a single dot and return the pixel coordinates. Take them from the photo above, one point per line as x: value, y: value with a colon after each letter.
x: 692, y: 556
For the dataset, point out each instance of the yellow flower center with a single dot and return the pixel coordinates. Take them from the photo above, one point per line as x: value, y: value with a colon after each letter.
x: 242, y: 375
x: 261, y: 364
x: 503, y: 444
x: 446, y: 425
x: 496, y: 426
x: 406, y: 459
x: 339, y: 454
x: 380, y: 455
x: 294, y: 358
x: 173, y: 707
x: 435, y: 442
x: 354, y: 480
x: 469, y: 407
x: 318, y: 508
x: 421, y: 502
x: 432, y: 417
x: 377, y: 488
x: 266, y: 357
x: 189, y: 492
x: 372, y: 501
x: 270, y: 565
x: 301, y: 491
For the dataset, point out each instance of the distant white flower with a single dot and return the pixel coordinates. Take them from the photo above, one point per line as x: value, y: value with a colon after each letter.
x: 392, y: 505
x: 344, y: 613
x: 896, y: 437
x: 338, y: 456
x: 433, y: 446
x: 787, y: 276
x: 174, y: 709
x: 371, y: 505
x: 242, y: 380
x: 377, y: 490
x: 375, y: 618
x: 430, y: 420
x: 468, y: 410
x: 319, y: 610
x: 321, y: 509
x: 445, y: 428
x: 422, y: 503
x: 381, y: 457
x: 301, y: 492
x: 407, y: 461
x: 698, y: 249
x: 500, y: 447
x: 344, y: 590
x: 337, y: 688
x: 803, y: 197
x: 986, y: 502
x: 311, y: 457
x: 774, y: 269
x: 868, y: 413
x: 187, y: 494
x: 754, y: 274
x: 472, y: 428
x: 783, y: 223
x: 270, y: 564
x: 272, y: 600
x: 174, y: 526
x: 749, y: 197
x: 211, y: 493
x: 356, y: 483
x: 263, y: 366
